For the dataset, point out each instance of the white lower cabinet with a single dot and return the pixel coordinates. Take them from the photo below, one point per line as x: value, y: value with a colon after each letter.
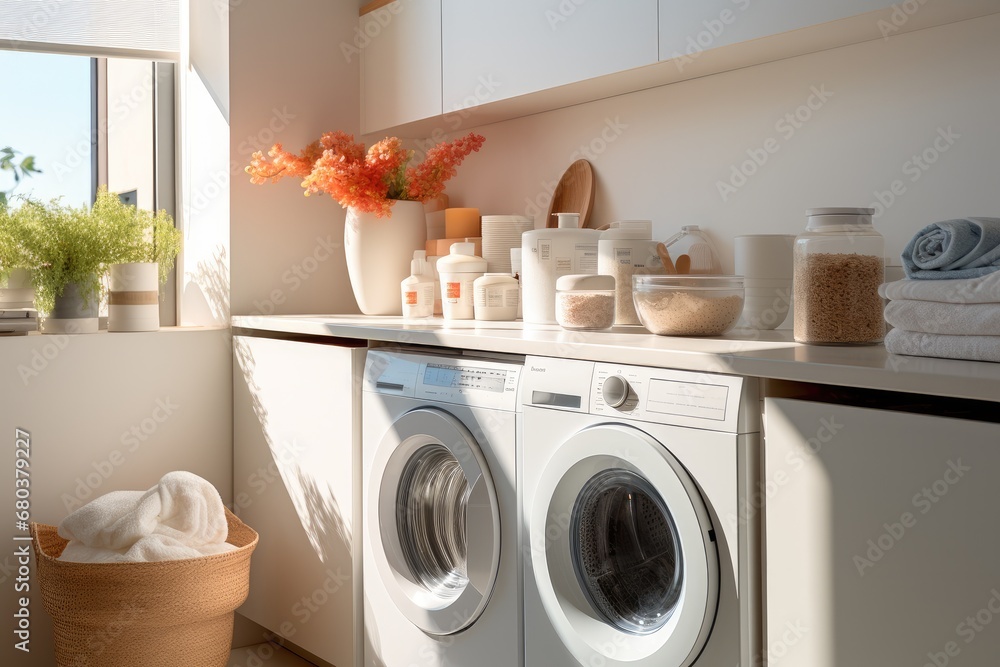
x: 296, y: 477
x: 881, y: 537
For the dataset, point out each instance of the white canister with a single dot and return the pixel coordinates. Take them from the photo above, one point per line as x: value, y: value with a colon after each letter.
x: 458, y: 271
x: 547, y: 254
x: 133, y: 297
x: 626, y: 249
x: 495, y: 297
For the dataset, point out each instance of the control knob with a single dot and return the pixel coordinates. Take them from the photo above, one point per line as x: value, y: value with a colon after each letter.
x: 615, y: 391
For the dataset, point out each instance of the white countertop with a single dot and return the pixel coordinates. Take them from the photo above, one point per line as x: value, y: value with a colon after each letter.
x: 766, y: 354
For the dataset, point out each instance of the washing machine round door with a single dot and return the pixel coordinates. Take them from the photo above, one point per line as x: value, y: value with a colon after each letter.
x: 434, y: 521
x: 623, y: 551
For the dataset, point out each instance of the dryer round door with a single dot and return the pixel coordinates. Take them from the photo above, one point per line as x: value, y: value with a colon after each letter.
x: 622, y: 551
x: 434, y: 521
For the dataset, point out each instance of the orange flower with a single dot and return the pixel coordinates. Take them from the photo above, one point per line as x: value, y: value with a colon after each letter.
x: 369, y: 181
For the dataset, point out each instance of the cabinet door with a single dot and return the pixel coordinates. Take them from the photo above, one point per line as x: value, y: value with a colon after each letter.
x: 881, y: 537
x: 687, y: 28
x: 400, y: 63
x: 296, y: 473
x: 496, y: 50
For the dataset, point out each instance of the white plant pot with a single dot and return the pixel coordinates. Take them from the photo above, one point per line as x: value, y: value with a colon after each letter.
x: 16, y: 291
x: 133, y: 297
x: 378, y: 252
x: 71, y: 315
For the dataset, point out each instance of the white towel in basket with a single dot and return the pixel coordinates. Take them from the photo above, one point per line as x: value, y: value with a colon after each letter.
x: 181, y: 517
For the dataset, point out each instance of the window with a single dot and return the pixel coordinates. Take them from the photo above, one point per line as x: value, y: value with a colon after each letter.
x: 48, y: 113
x: 89, y: 122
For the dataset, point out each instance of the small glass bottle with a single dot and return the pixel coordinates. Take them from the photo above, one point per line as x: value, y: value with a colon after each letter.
x: 839, y: 265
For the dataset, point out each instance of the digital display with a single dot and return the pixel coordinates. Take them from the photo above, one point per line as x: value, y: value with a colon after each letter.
x: 456, y: 377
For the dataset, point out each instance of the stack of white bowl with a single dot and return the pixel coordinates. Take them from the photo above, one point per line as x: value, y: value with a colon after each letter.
x: 500, y: 234
x: 765, y: 262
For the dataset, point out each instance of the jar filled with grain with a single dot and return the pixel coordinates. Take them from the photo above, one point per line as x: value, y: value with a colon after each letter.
x: 839, y: 266
x: 585, y: 302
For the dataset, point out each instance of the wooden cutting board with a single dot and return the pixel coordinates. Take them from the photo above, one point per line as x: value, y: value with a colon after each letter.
x: 573, y: 194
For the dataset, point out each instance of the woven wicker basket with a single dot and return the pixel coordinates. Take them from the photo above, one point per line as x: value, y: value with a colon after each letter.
x: 161, y: 614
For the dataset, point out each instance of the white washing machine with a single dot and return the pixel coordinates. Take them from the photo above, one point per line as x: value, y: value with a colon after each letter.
x: 441, y: 585
x: 636, y: 552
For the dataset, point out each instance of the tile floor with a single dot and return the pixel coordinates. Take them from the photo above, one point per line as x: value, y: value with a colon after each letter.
x: 266, y: 654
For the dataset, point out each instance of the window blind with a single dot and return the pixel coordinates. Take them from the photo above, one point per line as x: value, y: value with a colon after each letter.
x: 126, y: 28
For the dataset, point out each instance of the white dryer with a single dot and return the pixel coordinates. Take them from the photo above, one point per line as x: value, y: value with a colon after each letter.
x: 636, y: 552
x: 441, y: 527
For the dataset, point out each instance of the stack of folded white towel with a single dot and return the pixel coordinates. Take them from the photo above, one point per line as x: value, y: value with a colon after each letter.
x: 949, y: 305
x: 181, y: 517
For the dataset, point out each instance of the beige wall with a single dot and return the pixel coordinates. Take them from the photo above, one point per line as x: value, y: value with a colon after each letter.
x: 106, y: 412
x: 661, y: 153
x: 289, y: 82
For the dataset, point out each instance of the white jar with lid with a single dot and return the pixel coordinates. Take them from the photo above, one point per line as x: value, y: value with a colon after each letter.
x: 585, y: 302
x: 547, y: 254
x: 495, y: 297
x: 458, y: 271
x: 627, y: 248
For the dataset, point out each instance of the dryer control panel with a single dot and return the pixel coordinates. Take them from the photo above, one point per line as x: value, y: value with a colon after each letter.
x: 474, y: 382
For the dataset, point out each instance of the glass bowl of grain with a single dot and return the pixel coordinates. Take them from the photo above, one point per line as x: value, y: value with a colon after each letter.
x: 688, y: 305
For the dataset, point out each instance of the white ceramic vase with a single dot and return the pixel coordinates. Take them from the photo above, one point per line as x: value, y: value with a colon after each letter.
x: 16, y: 290
x: 133, y: 297
x: 378, y: 252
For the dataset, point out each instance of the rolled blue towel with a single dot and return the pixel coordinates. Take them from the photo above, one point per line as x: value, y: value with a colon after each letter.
x: 954, y: 249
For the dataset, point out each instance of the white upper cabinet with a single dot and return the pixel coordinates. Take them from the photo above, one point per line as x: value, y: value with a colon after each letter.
x: 688, y: 28
x: 400, y: 63
x: 497, y: 49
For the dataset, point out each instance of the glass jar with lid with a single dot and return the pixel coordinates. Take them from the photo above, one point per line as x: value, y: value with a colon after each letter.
x: 839, y: 265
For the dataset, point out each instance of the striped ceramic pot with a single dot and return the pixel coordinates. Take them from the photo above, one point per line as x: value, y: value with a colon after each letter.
x: 133, y: 297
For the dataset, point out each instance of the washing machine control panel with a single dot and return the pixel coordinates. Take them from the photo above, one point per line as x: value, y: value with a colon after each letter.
x: 666, y: 396
x: 482, y: 383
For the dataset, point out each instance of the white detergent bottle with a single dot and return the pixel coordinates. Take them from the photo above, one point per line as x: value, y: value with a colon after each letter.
x: 458, y: 271
x: 418, y: 288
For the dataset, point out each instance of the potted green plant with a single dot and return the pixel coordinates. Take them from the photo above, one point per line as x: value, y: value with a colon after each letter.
x: 145, y: 247
x: 66, y: 249
x: 15, y: 281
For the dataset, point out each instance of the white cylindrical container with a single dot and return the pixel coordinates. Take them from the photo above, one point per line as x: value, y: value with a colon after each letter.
x: 495, y: 297
x: 133, y: 297
x: 418, y: 289
x: 546, y: 255
x: 765, y: 262
x: 458, y: 271
x: 626, y: 249
x: 500, y: 234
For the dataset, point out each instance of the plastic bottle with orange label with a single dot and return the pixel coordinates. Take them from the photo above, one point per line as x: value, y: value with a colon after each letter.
x: 458, y: 271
